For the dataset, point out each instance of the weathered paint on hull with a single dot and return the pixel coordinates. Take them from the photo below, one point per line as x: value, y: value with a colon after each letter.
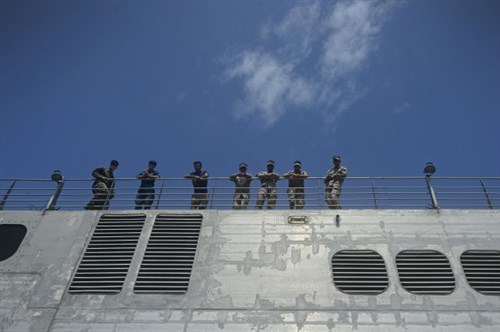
x: 252, y: 272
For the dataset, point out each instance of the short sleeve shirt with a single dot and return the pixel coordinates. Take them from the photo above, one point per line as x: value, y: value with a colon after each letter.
x: 149, y: 183
x: 200, y: 186
x: 296, y: 182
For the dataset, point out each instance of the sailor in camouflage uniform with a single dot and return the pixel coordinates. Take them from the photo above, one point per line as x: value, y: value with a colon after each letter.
x: 267, y: 188
x: 296, y: 192
x: 103, y: 187
x: 333, y: 181
x: 242, y: 181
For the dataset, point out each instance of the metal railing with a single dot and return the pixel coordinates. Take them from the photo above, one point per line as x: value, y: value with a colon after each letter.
x: 175, y: 193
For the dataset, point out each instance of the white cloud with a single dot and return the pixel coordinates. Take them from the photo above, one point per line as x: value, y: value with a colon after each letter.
x: 299, y: 28
x: 353, y: 29
x: 405, y: 107
x: 335, y: 40
x: 270, y: 86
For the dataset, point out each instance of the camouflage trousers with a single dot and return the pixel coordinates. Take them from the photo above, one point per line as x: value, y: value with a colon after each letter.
x: 270, y: 194
x: 332, y: 196
x: 296, y: 198
x: 144, y: 199
x: 100, y: 200
x: 199, y: 201
x: 240, y: 201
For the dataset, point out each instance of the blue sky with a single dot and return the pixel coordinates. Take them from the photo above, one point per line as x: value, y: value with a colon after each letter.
x: 387, y: 85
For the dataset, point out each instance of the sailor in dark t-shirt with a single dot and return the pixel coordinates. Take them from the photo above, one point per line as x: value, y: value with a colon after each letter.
x: 146, y: 192
x: 199, y: 177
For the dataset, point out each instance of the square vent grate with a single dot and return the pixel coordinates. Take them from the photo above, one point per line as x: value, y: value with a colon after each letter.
x: 169, y: 257
x: 106, y: 260
x: 482, y: 270
x: 425, y: 272
x: 359, y: 272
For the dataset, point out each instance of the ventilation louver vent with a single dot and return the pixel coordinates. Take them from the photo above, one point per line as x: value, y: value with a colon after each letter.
x: 104, y: 265
x: 482, y: 270
x: 168, y: 261
x: 359, y: 272
x: 425, y: 272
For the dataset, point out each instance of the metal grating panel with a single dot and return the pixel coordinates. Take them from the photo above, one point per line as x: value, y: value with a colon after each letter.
x: 168, y: 260
x: 106, y: 261
x: 482, y: 270
x: 425, y: 272
x: 359, y: 272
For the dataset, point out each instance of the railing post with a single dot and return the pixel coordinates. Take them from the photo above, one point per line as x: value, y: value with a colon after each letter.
x: 432, y: 193
x: 213, y: 194
x: 374, y: 195
x: 490, y: 204
x: 51, y: 204
x: 7, y: 194
x: 320, y: 204
x: 159, y: 195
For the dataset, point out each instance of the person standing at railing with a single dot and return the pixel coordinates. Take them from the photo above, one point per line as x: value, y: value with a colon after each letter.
x: 103, y: 187
x: 267, y: 188
x: 199, y: 177
x: 333, y: 180
x: 296, y: 192
x: 242, y: 182
x: 146, y: 192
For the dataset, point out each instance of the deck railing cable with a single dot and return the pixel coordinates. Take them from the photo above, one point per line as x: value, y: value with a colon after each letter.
x: 176, y: 193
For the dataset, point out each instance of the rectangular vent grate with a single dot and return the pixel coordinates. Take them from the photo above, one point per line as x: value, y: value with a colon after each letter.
x: 425, y: 272
x: 359, y: 272
x: 106, y: 260
x: 482, y: 270
x: 168, y: 260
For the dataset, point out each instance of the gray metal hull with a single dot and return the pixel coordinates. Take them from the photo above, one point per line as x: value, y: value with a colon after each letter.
x: 253, y: 271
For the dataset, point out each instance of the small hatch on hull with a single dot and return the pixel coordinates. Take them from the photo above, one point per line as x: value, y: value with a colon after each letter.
x: 300, y: 220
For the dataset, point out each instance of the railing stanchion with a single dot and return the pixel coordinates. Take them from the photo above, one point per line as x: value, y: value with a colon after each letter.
x: 374, y: 195
x: 159, y: 195
x: 211, y: 198
x: 7, y: 194
x: 490, y: 204
x: 320, y: 204
x: 51, y: 204
x: 432, y: 193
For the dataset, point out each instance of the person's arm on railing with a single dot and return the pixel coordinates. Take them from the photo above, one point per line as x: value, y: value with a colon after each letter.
x: 99, y: 174
x: 342, y: 173
x: 148, y: 175
x: 191, y: 176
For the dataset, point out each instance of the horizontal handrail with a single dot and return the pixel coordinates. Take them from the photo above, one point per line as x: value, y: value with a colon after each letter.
x: 176, y: 193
